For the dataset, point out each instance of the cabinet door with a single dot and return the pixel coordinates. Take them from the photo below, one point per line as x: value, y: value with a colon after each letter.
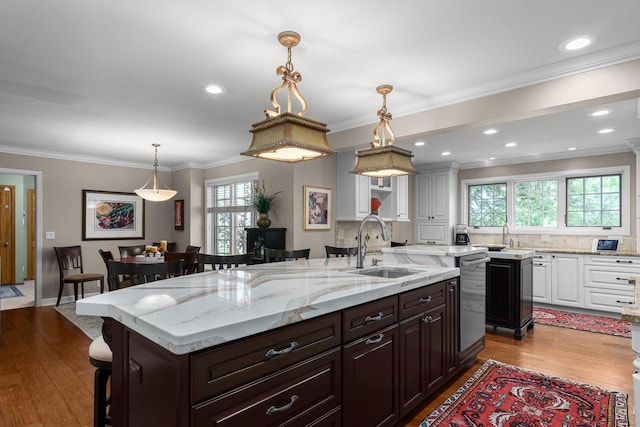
x: 439, y: 199
x: 502, y: 296
x: 567, y: 276
x: 435, y: 335
x: 423, y: 193
x: 451, y: 353
x: 363, y: 196
x: 431, y: 232
x: 402, y: 198
x: 370, y: 382
x: 413, y: 354
x: 542, y: 281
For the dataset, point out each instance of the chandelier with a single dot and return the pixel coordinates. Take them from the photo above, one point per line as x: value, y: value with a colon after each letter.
x: 285, y: 136
x: 383, y: 159
x: 155, y: 194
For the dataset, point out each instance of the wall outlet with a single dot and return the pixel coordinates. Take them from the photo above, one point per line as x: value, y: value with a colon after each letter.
x: 545, y: 238
x: 49, y: 235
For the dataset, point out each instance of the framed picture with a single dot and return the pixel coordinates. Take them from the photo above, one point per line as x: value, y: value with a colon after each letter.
x: 317, y: 208
x: 108, y: 215
x: 178, y: 214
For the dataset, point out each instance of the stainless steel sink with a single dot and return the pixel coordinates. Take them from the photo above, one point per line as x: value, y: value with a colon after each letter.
x: 386, y: 272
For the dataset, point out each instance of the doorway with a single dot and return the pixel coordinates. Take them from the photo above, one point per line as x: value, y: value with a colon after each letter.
x: 20, y: 220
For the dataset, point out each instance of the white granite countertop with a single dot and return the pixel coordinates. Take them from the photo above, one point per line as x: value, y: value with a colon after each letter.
x: 194, y: 312
x: 512, y: 254
x: 441, y: 250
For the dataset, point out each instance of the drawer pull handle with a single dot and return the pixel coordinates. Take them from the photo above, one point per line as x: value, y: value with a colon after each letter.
x: 373, y: 318
x: 375, y: 340
x: 622, y: 278
x: 427, y: 319
x: 425, y: 299
x: 624, y: 302
x: 272, y: 409
x: 273, y: 353
x: 624, y: 261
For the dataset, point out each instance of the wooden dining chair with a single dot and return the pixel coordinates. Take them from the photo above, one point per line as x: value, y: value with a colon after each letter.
x: 139, y: 273
x: 394, y: 244
x: 131, y: 251
x: 171, y: 246
x: 220, y: 262
x: 106, y: 256
x: 188, y: 260
x: 340, y: 252
x: 276, y: 255
x: 193, y: 248
x: 71, y: 270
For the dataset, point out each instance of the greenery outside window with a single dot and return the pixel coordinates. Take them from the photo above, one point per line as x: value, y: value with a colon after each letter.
x: 536, y: 203
x: 229, y: 210
x: 594, y: 201
x: 487, y: 205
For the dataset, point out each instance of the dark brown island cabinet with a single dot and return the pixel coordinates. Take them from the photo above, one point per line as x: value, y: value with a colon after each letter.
x: 510, y: 294
x: 366, y: 365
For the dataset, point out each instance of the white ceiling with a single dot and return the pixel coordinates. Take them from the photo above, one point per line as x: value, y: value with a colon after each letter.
x: 103, y: 80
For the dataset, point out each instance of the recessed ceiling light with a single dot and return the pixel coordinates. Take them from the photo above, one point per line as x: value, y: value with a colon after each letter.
x: 607, y: 130
x: 577, y: 43
x: 571, y: 148
x: 492, y: 158
x: 490, y: 131
x: 214, y: 89
x: 510, y: 144
x: 445, y: 153
x: 599, y: 113
x: 419, y: 143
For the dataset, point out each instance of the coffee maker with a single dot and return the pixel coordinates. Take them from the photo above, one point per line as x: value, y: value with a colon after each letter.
x: 462, y: 235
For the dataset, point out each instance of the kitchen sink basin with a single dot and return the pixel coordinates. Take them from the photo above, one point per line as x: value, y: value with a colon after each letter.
x: 386, y: 272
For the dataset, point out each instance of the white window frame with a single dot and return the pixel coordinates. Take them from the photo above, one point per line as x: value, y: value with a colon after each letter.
x: 625, y: 202
x: 209, y: 240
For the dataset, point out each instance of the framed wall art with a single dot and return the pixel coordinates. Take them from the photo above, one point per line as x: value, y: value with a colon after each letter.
x: 178, y: 214
x: 109, y: 215
x: 317, y: 208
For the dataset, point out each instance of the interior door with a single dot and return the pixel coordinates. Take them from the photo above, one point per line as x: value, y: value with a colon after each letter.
x: 7, y: 234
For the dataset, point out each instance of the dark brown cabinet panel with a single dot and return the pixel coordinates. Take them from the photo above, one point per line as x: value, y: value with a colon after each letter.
x: 260, y: 238
x: 366, y: 318
x: 451, y: 358
x: 370, y: 380
x: 510, y: 294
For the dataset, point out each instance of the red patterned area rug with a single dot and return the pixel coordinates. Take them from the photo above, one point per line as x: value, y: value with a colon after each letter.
x: 583, y: 322
x: 501, y: 395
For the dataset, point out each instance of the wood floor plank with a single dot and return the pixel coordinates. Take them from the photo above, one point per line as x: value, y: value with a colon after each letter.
x: 46, y: 378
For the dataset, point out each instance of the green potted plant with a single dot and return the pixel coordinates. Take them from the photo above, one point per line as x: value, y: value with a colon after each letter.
x: 263, y: 203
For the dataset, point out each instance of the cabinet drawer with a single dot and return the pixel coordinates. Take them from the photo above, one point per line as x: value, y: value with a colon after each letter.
x: 366, y: 318
x: 608, y: 300
x: 423, y: 299
x: 541, y: 257
x: 298, y: 395
x: 633, y: 262
x: 229, y: 366
x: 601, y: 276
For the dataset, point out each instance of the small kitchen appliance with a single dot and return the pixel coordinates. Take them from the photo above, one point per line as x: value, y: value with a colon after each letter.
x: 604, y: 245
x: 462, y: 235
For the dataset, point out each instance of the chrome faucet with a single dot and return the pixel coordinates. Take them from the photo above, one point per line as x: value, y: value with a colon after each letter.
x: 362, y: 245
x: 505, y: 234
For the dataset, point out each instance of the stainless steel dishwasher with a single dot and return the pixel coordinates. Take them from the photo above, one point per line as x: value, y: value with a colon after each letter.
x: 472, y: 297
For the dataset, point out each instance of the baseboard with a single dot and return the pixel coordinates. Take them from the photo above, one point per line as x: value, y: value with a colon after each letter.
x: 65, y: 299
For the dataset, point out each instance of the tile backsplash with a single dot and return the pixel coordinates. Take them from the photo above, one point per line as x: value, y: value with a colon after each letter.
x: 347, y: 232
x: 627, y: 244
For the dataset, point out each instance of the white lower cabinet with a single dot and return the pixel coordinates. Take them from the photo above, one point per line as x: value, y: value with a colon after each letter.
x: 542, y: 278
x: 607, y: 282
x: 567, y: 280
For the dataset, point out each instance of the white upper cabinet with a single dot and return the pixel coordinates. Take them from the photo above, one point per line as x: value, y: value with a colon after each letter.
x: 435, y: 205
x: 354, y: 194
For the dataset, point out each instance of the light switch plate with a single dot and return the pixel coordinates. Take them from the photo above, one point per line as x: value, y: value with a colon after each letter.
x: 49, y: 235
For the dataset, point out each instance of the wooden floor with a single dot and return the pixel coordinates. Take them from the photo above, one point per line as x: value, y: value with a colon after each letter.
x: 46, y: 378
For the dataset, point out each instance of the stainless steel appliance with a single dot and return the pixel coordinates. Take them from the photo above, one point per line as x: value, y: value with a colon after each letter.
x: 462, y: 235
x: 472, y: 297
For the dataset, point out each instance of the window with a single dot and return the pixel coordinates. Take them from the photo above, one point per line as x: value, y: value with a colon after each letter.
x: 487, y: 205
x: 594, y: 201
x: 229, y: 211
x: 536, y: 203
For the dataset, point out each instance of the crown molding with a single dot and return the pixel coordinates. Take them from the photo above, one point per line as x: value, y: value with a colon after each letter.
x: 547, y: 157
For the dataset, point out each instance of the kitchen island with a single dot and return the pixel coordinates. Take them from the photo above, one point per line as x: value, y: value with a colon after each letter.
x: 300, y: 342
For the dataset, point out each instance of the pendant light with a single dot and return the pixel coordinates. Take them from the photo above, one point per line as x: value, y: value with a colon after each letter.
x: 383, y: 159
x: 285, y: 136
x: 155, y: 194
